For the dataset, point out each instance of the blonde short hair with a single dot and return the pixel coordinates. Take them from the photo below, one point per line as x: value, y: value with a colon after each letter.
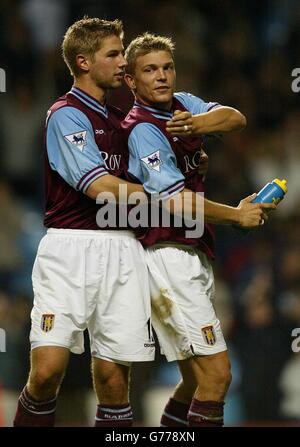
x: 144, y: 44
x: 85, y: 36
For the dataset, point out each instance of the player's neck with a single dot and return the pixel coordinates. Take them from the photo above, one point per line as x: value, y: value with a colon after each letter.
x: 165, y: 106
x: 96, y: 92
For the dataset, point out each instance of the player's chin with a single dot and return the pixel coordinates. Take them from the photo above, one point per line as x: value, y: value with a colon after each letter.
x: 116, y: 83
x: 164, y: 96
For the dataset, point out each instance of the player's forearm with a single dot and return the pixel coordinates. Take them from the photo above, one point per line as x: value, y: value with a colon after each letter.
x: 110, y: 184
x: 189, y: 204
x: 223, y: 119
x: 217, y: 213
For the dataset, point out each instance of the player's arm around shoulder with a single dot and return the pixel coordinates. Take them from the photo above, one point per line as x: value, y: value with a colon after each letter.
x: 221, y: 119
x: 152, y: 162
x: 202, y: 117
x: 246, y: 215
x: 118, y: 188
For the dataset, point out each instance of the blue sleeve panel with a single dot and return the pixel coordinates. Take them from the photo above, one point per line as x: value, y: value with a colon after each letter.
x: 194, y: 104
x: 153, y: 162
x: 72, y: 150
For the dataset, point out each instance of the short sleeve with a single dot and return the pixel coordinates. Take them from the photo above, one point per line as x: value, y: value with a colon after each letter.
x: 153, y: 162
x: 72, y: 150
x: 194, y: 104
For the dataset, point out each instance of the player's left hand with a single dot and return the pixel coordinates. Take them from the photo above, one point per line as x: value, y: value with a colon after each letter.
x: 181, y: 124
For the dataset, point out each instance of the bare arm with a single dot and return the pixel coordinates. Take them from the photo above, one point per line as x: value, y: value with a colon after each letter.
x: 222, y: 119
x: 245, y: 215
x: 110, y: 183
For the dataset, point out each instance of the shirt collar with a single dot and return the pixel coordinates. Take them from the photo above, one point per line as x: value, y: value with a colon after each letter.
x: 89, y: 101
x: 161, y: 114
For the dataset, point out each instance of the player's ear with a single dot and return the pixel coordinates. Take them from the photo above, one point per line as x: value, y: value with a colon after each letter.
x: 82, y: 62
x: 130, y: 81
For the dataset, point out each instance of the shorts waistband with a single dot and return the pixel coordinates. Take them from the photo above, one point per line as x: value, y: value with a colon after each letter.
x: 92, y: 233
x: 183, y: 247
x: 170, y: 244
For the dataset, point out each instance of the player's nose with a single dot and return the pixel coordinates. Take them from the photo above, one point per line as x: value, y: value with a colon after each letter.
x: 123, y: 62
x: 161, y: 74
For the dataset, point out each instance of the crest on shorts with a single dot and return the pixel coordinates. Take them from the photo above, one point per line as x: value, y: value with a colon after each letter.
x: 209, y: 334
x: 47, y: 322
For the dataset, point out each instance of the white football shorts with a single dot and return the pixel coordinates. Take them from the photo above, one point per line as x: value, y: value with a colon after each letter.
x: 183, y: 316
x: 92, y: 279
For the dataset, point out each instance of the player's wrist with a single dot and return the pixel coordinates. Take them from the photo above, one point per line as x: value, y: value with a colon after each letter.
x: 197, y: 124
x: 236, y: 216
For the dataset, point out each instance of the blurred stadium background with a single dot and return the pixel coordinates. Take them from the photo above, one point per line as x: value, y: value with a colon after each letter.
x: 237, y: 53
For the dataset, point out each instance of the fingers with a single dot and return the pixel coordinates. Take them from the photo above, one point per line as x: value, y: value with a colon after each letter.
x: 177, y: 112
x: 183, y: 130
x: 180, y: 124
x: 264, y: 216
x: 265, y: 209
x: 254, y: 214
x: 249, y: 198
x: 179, y: 115
x: 268, y: 206
x: 260, y: 214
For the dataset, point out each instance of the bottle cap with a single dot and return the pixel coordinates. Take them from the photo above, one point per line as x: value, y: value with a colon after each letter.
x: 282, y: 183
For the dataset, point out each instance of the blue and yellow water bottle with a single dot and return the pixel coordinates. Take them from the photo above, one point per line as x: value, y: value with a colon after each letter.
x: 272, y: 192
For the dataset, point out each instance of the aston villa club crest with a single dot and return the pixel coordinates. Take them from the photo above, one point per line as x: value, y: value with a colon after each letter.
x: 47, y: 322
x: 209, y: 335
x: 78, y: 139
x: 153, y: 161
